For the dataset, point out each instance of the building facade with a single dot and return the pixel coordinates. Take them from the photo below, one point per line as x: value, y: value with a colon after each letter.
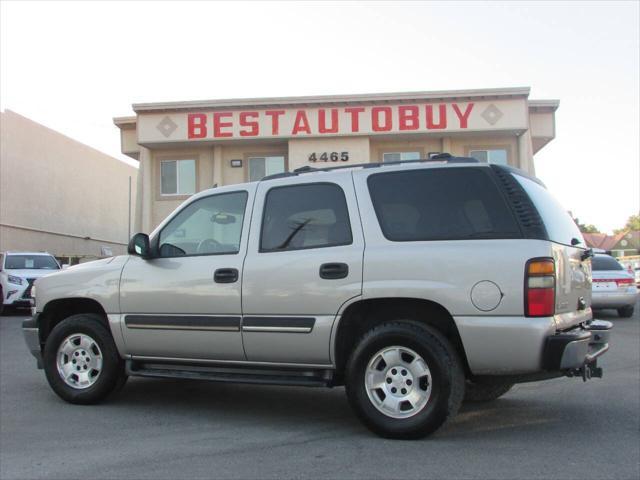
x: 59, y: 195
x: 185, y: 147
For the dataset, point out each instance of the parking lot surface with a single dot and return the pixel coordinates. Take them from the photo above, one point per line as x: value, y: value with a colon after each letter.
x: 164, y: 429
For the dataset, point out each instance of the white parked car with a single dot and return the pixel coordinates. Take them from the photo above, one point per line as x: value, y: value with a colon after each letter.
x: 18, y: 271
x: 613, y: 286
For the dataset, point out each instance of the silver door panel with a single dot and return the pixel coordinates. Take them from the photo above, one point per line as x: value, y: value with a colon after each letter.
x: 290, y: 346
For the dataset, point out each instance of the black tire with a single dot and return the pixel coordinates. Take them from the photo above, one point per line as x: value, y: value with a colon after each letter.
x: 479, y: 392
x: 626, y: 312
x: 112, y: 376
x: 447, y: 379
x: 1, y: 301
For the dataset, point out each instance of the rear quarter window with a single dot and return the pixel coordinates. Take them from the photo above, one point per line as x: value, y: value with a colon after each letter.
x: 560, y: 226
x: 440, y: 204
x: 604, y: 262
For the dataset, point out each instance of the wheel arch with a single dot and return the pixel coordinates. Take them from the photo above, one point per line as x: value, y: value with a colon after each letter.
x: 55, y: 311
x: 362, y: 315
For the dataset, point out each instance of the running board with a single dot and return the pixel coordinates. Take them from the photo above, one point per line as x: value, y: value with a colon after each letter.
x: 263, y: 376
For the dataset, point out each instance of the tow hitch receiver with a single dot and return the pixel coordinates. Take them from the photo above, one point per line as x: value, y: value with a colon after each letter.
x: 587, y: 371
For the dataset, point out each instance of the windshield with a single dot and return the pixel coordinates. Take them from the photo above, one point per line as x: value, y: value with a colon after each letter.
x: 31, y: 262
x: 605, y: 262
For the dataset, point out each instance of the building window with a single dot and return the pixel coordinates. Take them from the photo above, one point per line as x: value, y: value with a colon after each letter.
x: 260, y: 167
x: 400, y: 156
x: 497, y: 156
x: 178, y: 177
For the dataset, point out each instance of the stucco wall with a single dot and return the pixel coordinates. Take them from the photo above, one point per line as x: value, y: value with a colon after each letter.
x: 55, y: 192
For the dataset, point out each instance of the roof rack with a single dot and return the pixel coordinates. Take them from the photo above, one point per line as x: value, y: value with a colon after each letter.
x: 440, y: 157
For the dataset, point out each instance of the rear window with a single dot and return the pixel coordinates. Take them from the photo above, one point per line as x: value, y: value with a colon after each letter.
x: 604, y: 262
x: 559, y: 224
x: 440, y: 204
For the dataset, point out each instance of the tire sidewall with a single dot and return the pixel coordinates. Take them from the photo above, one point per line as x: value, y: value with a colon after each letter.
x: 429, y: 347
x: 112, y: 365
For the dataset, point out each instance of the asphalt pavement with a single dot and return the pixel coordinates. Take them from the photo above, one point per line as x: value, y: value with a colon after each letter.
x: 164, y: 429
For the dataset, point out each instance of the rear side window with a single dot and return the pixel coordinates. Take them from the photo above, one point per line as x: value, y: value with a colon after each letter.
x: 440, y: 204
x: 305, y: 216
x: 605, y: 262
x: 559, y: 224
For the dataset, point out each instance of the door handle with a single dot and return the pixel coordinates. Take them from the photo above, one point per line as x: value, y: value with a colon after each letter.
x: 334, y: 271
x: 225, y: 275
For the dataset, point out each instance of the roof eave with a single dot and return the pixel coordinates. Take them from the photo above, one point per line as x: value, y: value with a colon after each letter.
x: 338, y: 99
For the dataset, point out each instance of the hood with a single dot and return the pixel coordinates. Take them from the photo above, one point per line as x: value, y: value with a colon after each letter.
x: 30, y: 273
x: 81, y: 267
x: 98, y: 281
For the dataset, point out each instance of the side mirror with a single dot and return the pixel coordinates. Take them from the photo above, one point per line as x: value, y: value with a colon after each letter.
x: 65, y: 266
x: 139, y: 245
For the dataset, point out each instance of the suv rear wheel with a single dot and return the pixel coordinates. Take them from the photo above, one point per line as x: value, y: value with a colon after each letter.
x: 81, y: 360
x: 404, y: 380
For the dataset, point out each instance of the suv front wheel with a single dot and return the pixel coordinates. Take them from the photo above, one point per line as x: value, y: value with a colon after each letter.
x: 81, y: 360
x: 404, y: 380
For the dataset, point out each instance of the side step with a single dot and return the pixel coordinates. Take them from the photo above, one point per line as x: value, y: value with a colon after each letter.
x: 263, y: 376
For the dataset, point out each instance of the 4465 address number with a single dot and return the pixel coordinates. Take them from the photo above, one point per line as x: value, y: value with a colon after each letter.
x: 329, y: 157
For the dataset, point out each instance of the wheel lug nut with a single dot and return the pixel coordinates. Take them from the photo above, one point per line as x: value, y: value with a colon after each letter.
x: 73, y: 361
x: 394, y: 390
x: 409, y: 382
x: 77, y: 354
x: 403, y: 391
x: 394, y: 372
x: 404, y: 372
x: 388, y: 380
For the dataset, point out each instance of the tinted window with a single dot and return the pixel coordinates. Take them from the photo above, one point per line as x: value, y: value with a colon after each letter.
x: 605, y: 262
x: 34, y: 262
x: 439, y: 204
x: 305, y: 216
x: 210, y: 225
x: 559, y: 224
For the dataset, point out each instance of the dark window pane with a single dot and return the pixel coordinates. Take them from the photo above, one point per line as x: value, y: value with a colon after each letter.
x: 440, y: 204
x: 168, y: 178
x: 305, y: 216
x: 605, y: 262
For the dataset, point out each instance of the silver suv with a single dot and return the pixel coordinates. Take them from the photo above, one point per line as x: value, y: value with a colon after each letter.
x: 415, y: 285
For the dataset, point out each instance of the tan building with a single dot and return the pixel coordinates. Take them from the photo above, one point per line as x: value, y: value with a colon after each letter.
x: 59, y: 195
x: 185, y: 147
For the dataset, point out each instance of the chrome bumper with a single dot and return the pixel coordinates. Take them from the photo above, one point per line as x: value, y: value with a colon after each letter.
x: 576, y: 351
x: 32, y: 338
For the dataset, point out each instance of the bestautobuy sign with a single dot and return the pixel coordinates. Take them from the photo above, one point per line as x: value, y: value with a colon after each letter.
x: 194, y: 126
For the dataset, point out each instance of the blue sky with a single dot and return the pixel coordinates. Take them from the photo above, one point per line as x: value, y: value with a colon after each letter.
x: 73, y: 66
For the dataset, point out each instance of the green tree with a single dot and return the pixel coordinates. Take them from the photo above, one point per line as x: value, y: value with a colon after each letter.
x: 633, y: 224
x: 585, y: 228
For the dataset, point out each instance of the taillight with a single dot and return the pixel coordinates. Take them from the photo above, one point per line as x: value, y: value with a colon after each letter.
x: 540, y: 288
x: 619, y: 281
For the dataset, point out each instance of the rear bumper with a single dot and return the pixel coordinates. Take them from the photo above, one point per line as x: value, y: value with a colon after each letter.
x: 614, y: 299
x: 576, y: 348
x: 31, y: 334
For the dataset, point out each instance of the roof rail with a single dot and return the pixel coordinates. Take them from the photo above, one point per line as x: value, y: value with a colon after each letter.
x: 440, y: 157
